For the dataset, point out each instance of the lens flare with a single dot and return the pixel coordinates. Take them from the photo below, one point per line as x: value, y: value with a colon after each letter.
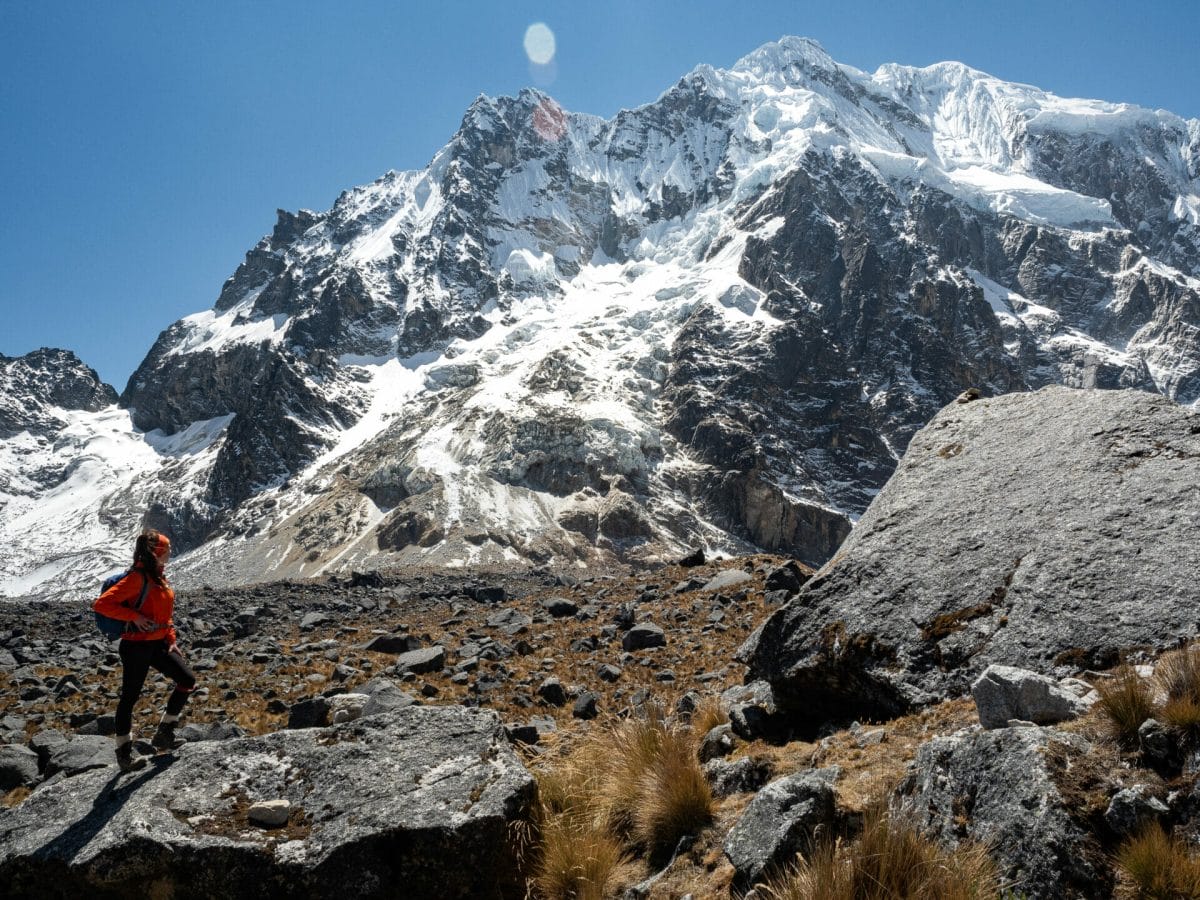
x: 539, y: 43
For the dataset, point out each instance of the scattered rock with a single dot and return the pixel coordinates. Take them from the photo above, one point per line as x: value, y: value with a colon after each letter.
x: 428, y: 659
x: 312, y: 712
x: 727, y: 579
x: 780, y: 821
x: 552, y: 691
x: 392, y: 643
x: 560, y: 607
x: 1131, y: 808
x: 739, y: 776
x: 18, y: 767
x: 585, y: 705
x: 717, y: 742
x: 269, y: 813
x: 1002, y: 693
x: 643, y: 637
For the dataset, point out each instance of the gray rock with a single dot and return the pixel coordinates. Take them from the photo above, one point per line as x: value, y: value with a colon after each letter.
x: 608, y: 672
x: 392, y: 643
x: 384, y: 696
x: 269, y: 813
x: 1159, y: 745
x: 1001, y: 788
x: 347, y: 707
x: 727, y: 579
x: 718, y: 742
x: 80, y: 753
x: 313, y: 620
x: 422, y: 797
x: 427, y: 659
x: 585, y: 705
x: 738, y: 776
x: 643, y: 637
x: 788, y: 577
x: 1002, y: 693
x: 1017, y: 565
x: 560, y: 607
x: 44, y: 742
x: 1130, y: 809
x: 552, y: 691
x: 780, y: 821
x: 18, y: 767
x: 754, y: 713
x: 312, y: 712
x: 211, y: 731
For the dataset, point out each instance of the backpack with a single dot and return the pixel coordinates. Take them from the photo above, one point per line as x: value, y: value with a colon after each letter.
x: 114, y: 628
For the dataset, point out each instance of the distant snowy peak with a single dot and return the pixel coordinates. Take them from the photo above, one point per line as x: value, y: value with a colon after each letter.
x: 36, y: 388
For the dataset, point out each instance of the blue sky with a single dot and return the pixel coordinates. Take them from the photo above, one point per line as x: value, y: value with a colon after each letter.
x: 147, y: 145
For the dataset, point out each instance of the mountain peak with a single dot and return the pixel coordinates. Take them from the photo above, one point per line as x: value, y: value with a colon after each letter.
x: 788, y: 50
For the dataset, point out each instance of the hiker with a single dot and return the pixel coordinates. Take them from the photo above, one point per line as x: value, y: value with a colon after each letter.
x: 148, y: 642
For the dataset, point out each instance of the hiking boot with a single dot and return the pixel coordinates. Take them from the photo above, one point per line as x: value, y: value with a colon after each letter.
x: 164, y: 738
x: 127, y: 760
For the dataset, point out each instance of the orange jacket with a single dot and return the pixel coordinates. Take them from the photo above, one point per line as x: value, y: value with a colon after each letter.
x: 118, y: 602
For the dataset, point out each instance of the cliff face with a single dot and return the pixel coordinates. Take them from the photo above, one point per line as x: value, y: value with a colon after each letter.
x: 717, y: 319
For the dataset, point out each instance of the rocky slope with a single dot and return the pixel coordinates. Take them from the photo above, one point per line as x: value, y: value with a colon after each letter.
x: 716, y: 319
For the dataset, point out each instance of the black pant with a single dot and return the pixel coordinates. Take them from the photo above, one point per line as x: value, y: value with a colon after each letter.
x: 137, y: 658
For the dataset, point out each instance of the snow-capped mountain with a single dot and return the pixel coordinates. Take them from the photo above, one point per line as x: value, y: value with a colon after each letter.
x: 713, y: 320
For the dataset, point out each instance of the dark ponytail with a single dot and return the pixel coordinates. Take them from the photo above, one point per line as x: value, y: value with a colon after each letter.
x: 143, y: 555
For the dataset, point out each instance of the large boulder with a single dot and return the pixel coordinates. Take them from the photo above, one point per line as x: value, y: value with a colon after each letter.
x: 424, y: 798
x: 1036, y: 530
x: 1015, y: 791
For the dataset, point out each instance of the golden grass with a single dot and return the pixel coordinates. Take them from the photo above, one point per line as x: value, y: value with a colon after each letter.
x: 708, y: 715
x: 632, y: 786
x: 1159, y: 866
x: 888, y: 861
x: 1183, y: 715
x: 1178, y: 673
x: 575, y: 858
x: 1126, y: 703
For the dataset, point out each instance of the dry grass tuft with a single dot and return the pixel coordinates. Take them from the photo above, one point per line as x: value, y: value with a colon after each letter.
x: 635, y: 785
x: 708, y: 715
x: 1159, y: 866
x: 888, y: 861
x: 576, y: 858
x: 1183, y: 715
x: 1126, y: 703
x: 1178, y: 673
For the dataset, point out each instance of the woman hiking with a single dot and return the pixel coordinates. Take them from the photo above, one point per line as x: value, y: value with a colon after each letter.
x: 148, y: 642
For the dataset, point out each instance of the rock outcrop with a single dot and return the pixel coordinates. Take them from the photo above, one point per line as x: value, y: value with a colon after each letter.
x: 1045, y: 530
x: 419, y: 801
x: 1009, y: 790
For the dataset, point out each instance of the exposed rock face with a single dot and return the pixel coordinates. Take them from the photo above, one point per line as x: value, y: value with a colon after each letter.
x: 37, y: 387
x: 1034, y: 530
x: 421, y: 797
x: 717, y: 319
x: 1002, y: 789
